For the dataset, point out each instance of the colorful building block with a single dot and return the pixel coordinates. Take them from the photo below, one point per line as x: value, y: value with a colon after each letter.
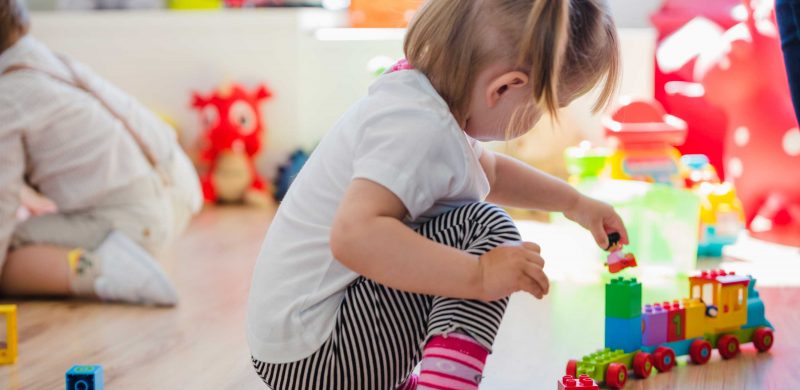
x: 654, y: 319
x: 584, y: 382
x: 8, y: 348
x: 596, y: 363
x: 85, y: 378
x: 624, y: 333
x: 676, y: 321
x: 623, y: 298
x: 695, y: 318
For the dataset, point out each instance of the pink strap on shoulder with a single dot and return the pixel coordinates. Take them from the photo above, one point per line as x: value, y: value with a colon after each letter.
x: 400, y: 65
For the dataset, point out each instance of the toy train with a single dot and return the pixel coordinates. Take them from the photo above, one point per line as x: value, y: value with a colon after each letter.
x: 723, y: 310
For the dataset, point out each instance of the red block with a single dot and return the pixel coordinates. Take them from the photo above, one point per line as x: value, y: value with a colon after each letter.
x: 583, y: 382
x: 676, y: 321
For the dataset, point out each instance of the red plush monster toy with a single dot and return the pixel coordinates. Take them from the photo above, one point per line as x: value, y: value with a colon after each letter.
x: 233, y: 131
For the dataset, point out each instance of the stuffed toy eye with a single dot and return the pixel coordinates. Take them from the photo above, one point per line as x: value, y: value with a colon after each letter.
x: 243, y: 117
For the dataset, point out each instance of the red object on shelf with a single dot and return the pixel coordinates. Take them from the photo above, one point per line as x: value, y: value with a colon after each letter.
x: 382, y: 13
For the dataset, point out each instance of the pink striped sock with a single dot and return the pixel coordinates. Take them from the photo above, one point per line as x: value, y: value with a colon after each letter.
x: 452, y: 362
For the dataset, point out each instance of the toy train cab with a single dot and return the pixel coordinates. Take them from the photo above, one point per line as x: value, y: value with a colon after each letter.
x: 723, y: 310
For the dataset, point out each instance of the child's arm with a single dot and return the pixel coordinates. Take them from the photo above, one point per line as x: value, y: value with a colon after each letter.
x: 517, y: 184
x: 369, y: 238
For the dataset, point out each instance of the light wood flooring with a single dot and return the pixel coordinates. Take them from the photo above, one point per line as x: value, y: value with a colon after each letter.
x: 201, y: 343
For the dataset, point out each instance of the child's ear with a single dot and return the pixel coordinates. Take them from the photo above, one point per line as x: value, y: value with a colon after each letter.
x: 504, y: 83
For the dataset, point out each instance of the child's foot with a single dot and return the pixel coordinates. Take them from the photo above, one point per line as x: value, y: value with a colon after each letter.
x: 129, y: 274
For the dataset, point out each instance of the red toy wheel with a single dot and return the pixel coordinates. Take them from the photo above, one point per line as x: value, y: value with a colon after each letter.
x: 572, y: 368
x: 642, y: 364
x: 728, y: 346
x: 616, y: 375
x: 663, y: 359
x: 762, y: 339
x: 700, y: 351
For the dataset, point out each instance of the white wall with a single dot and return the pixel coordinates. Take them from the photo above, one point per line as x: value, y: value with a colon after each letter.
x: 162, y: 56
x: 634, y: 13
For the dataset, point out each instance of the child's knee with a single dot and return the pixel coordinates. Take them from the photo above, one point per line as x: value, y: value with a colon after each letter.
x: 495, y: 218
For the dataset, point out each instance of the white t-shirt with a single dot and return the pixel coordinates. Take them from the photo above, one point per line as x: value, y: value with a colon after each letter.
x: 402, y: 136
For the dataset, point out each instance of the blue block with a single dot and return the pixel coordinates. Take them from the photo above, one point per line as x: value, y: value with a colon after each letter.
x: 85, y: 378
x: 624, y: 333
x: 680, y: 347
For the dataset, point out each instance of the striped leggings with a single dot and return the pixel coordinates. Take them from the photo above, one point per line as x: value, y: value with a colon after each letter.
x: 380, y: 332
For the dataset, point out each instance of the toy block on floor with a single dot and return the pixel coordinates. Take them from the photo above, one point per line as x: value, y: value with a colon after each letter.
x: 654, y: 318
x: 583, y: 382
x: 8, y: 347
x: 624, y: 333
x: 676, y: 321
x: 623, y: 298
x: 85, y: 378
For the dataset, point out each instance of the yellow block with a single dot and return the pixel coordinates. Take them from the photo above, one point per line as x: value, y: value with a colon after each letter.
x: 8, y: 352
x: 732, y: 308
x: 695, y: 318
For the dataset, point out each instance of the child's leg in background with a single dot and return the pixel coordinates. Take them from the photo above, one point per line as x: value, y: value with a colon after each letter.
x: 788, y: 12
x: 381, y: 333
x: 57, y: 254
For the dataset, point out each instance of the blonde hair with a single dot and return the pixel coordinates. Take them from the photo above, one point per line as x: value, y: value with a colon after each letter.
x: 562, y: 45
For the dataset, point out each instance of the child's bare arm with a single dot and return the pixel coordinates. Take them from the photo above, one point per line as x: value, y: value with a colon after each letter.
x: 517, y: 184
x: 369, y: 238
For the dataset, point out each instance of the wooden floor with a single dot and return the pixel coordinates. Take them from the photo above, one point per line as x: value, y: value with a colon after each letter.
x: 201, y: 344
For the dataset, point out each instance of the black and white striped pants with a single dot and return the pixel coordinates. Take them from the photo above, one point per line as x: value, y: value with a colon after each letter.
x: 380, y: 332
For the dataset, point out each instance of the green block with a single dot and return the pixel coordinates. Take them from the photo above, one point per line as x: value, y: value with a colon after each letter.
x: 623, y: 298
x: 595, y: 364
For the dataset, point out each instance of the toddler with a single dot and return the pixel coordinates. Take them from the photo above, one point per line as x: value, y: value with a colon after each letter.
x: 120, y: 185
x: 384, y: 253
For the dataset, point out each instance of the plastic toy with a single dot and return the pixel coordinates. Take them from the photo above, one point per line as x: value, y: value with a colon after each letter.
x: 8, y: 349
x: 617, y: 260
x: 233, y: 131
x: 569, y: 382
x: 742, y: 72
x: 85, y: 378
x: 585, y: 162
x: 721, y: 217
x: 645, y: 136
x: 382, y: 13
x: 723, y: 310
x: 194, y: 4
x: 288, y: 172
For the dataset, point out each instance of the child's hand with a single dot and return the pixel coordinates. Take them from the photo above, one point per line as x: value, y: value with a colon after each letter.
x: 510, y: 268
x: 599, y: 218
x: 35, y: 203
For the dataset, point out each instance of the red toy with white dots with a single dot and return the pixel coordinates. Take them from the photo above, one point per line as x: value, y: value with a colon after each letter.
x: 744, y: 75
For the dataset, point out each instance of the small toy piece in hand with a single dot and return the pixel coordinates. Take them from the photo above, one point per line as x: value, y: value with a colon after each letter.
x: 617, y: 260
